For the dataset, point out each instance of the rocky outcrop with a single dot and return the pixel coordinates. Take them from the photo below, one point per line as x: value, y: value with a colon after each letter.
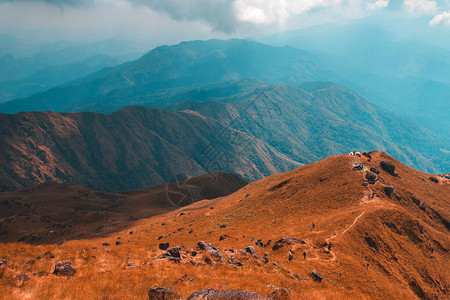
x: 20, y: 280
x: 388, y: 190
x: 316, y: 276
x: 388, y: 167
x: 286, y: 241
x: 162, y: 293
x: 211, y: 294
x: 163, y: 246
x: 64, y: 268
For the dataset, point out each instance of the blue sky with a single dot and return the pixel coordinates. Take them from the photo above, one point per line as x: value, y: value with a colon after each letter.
x: 170, y: 21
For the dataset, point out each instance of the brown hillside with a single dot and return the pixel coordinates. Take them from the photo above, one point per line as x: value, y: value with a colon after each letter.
x: 383, y: 247
x: 129, y: 149
x: 55, y: 212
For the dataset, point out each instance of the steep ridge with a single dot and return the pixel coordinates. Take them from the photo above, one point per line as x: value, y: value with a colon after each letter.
x: 53, y: 212
x: 392, y: 246
x: 129, y: 149
x: 320, y: 119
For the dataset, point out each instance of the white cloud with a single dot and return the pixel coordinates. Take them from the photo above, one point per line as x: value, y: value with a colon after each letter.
x: 421, y: 6
x: 441, y: 19
x: 378, y: 4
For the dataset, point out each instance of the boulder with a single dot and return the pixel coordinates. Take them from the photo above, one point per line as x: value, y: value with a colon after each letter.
x: 366, y: 154
x: 250, y: 250
x: 163, y: 246
x: 212, y: 294
x: 388, y: 190
x: 374, y: 170
x: 388, y: 167
x: 64, y: 268
x: 371, y: 176
x: 174, y: 252
x: 162, y: 293
x: 316, y: 276
x: 105, y: 244
x: 286, y: 241
x: 282, y: 294
x: 205, y: 246
x: 434, y: 179
x: 119, y: 243
x: 20, y: 280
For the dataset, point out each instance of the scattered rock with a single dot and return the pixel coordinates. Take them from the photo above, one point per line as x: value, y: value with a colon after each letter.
x: 223, y: 226
x: 162, y: 293
x: 208, y: 261
x: 160, y: 237
x: 370, y: 176
x: 163, y: 246
x: 366, y: 154
x: 212, y: 207
x: 105, y: 244
x: 21, y: 279
x: 282, y: 294
x: 250, y: 250
x: 64, y: 268
x: 191, y: 231
x: 212, y: 294
x: 205, y: 246
x: 48, y: 254
x: 389, y: 189
x: 131, y: 232
x: 193, y: 253
x: 388, y: 167
x: 119, y: 243
x: 30, y: 261
x: 316, y: 276
x: 182, y: 214
x: 174, y: 252
x: 365, y: 184
x: 374, y: 170
x: 434, y: 179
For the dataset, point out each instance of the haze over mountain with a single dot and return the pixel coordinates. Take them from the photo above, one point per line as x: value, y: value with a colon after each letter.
x: 389, y: 62
x: 180, y: 65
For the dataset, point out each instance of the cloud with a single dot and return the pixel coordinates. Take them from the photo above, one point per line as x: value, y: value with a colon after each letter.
x: 421, y: 6
x: 378, y: 4
x: 441, y: 19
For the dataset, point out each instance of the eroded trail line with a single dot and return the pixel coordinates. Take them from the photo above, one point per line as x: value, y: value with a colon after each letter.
x: 354, y: 222
x: 335, y: 235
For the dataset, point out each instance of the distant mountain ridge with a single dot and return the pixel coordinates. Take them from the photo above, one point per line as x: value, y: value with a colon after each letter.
x: 129, y: 149
x: 185, y: 64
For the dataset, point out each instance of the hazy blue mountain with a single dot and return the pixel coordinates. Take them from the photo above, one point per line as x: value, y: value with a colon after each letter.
x: 397, y: 64
x: 50, y: 77
x: 185, y: 64
x: 322, y: 119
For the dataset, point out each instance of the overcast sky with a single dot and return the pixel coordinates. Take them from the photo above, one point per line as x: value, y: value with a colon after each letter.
x: 171, y: 21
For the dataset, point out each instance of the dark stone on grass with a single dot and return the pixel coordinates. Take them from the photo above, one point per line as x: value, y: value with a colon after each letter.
x: 371, y: 176
x: 434, y: 179
x: 174, y: 252
x: 388, y: 190
x: 105, y: 244
x: 388, y: 167
x: 163, y: 246
x: 316, y: 276
x: 119, y: 243
x: 250, y: 250
x: 64, y: 268
x: 374, y: 170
